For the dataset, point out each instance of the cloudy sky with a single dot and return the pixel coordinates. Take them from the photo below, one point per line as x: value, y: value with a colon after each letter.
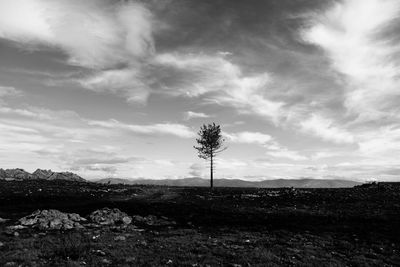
x: 107, y: 88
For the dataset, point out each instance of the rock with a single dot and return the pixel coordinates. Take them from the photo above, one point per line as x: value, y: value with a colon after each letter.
x: 99, y: 252
x: 20, y: 174
x: 15, y: 174
x: 52, y: 220
x: 106, y: 261
x: 16, y: 234
x: 50, y: 175
x: 108, y: 216
x: 1, y: 244
x: 28, y: 222
x: 127, y: 220
x: 42, y: 174
x: 66, y: 176
x: 76, y: 217
x: 3, y: 174
x: 55, y: 223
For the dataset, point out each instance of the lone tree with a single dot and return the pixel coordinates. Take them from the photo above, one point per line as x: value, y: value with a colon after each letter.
x: 210, y: 143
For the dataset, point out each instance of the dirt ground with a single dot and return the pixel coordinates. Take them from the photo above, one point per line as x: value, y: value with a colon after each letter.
x: 223, y: 227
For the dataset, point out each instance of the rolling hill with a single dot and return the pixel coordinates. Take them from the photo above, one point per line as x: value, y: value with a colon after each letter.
x: 276, y: 183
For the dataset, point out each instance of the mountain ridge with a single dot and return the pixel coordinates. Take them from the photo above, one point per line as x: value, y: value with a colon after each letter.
x: 21, y: 174
x: 274, y: 183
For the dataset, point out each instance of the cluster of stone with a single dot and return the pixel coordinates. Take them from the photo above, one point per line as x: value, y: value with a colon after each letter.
x: 52, y: 220
x: 57, y: 220
x: 108, y: 216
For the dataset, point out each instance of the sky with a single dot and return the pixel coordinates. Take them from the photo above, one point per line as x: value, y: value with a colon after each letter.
x: 107, y: 88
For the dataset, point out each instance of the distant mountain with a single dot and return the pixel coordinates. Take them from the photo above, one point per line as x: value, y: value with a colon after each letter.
x: 20, y: 174
x: 195, y: 181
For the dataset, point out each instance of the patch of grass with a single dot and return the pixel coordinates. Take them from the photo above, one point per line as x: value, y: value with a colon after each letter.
x: 70, y: 246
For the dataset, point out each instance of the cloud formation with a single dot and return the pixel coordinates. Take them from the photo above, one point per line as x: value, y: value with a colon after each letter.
x: 286, y: 154
x: 194, y: 115
x: 313, y: 92
x: 175, y: 129
x: 363, y: 52
x: 92, y: 33
x: 248, y: 138
x: 126, y: 82
x: 273, y: 148
x: 9, y: 91
x: 324, y: 128
x: 110, y: 40
x: 219, y: 81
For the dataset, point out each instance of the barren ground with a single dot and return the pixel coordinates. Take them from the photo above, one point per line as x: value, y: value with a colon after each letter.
x: 225, y: 227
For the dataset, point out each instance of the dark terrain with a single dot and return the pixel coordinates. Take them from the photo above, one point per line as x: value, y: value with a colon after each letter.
x: 224, y: 227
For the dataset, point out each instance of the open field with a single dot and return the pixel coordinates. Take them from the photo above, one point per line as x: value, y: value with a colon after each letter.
x: 226, y: 227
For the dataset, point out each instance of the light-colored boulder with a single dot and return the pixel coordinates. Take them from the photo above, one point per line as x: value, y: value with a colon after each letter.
x: 52, y: 220
x: 108, y: 216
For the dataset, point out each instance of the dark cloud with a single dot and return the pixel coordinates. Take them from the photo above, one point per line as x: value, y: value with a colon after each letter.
x: 211, y: 23
x: 392, y: 171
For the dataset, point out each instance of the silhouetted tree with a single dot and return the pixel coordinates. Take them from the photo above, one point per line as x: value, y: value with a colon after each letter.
x: 210, y: 144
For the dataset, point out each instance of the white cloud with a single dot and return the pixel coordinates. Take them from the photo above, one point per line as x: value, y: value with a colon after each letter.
x: 9, y: 91
x: 31, y: 112
x: 126, y: 82
x: 178, y: 130
x: 381, y: 143
x: 221, y: 82
x: 230, y: 164
x: 20, y: 138
x: 97, y: 163
x: 274, y: 149
x: 287, y: 154
x: 352, y: 34
x: 194, y: 115
x: 62, y: 140
x: 325, y: 129
x: 97, y: 34
x: 93, y: 33
x: 324, y: 154
x: 248, y: 138
x: 198, y: 170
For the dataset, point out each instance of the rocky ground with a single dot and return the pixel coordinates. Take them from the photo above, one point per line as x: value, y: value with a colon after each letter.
x: 62, y: 223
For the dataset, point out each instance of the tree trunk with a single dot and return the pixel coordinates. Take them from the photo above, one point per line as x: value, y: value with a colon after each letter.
x: 211, y: 172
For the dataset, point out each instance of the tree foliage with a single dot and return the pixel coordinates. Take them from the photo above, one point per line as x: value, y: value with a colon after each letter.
x: 210, y: 143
